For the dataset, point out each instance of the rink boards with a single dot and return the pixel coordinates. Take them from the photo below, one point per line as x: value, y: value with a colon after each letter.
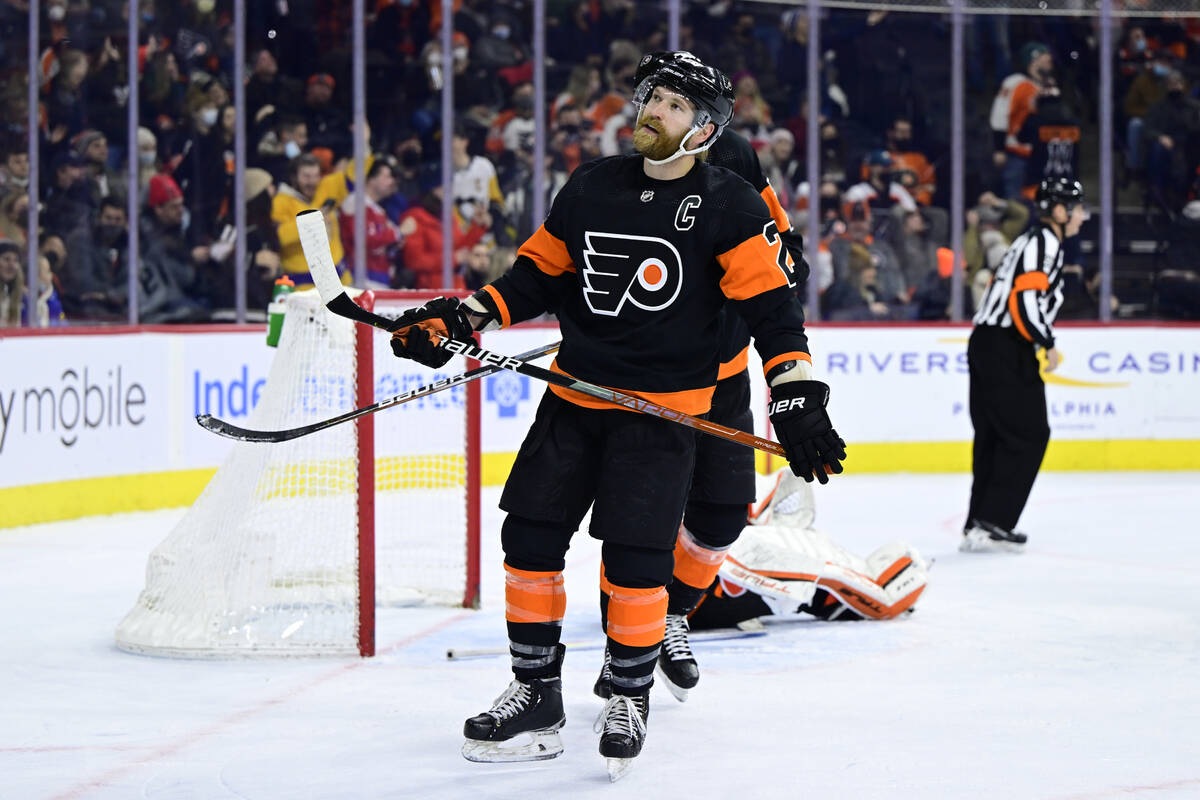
x: 102, y: 420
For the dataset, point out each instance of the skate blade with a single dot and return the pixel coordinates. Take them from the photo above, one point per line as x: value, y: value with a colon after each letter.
x: 985, y: 544
x: 618, y: 767
x: 678, y: 692
x: 531, y: 746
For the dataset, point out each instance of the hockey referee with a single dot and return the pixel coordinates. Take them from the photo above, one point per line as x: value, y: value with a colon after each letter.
x: 1007, y: 395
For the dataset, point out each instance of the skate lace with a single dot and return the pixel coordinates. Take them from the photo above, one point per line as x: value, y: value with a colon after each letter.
x: 675, y: 638
x: 606, y: 668
x: 622, y: 715
x: 512, y: 701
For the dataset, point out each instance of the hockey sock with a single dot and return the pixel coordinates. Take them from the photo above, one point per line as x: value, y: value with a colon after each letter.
x: 535, y: 603
x: 636, y: 621
x: 696, y: 566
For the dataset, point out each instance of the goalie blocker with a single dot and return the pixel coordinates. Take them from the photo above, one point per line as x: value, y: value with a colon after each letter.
x: 781, y: 564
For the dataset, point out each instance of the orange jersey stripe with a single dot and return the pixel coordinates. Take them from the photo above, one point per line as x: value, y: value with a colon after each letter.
x: 548, y: 252
x: 695, y: 564
x: 637, y: 617
x: 782, y: 357
x: 689, y: 401
x: 777, y: 213
x: 505, y: 316
x: 751, y: 268
x: 734, y: 365
x: 533, y: 596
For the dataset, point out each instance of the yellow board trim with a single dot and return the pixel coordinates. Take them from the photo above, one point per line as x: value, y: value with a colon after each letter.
x: 63, y: 500
x: 87, y: 497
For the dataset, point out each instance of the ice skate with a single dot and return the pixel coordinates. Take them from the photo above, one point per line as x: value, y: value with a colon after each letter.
x: 603, y: 686
x: 622, y: 729
x: 984, y: 537
x: 676, y: 664
x: 522, y: 725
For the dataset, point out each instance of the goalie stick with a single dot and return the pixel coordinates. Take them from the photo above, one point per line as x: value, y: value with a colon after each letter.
x: 231, y: 431
x: 314, y: 241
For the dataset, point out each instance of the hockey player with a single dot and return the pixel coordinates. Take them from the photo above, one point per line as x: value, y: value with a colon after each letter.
x: 637, y: 257
x: 1007, y: 395
x: 724, y: 477
x: 781, y: 564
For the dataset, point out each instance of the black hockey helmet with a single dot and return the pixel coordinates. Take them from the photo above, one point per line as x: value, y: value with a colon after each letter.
x: 680, y: 71
x: 1058, y: 191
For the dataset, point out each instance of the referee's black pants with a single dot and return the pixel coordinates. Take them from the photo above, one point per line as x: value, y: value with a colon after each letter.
x: 1008, y: 411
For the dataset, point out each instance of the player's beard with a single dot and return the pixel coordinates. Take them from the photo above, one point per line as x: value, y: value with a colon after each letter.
x: 655, y: 147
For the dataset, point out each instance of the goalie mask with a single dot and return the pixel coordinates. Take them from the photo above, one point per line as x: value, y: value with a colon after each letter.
x: 707, y: 88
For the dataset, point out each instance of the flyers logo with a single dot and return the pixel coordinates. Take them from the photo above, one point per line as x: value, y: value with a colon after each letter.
x: 644, y: 271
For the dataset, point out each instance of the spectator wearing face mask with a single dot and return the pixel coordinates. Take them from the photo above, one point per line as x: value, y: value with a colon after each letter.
x: 886, y: 198
x: 281, y: 145
x: 14, y: 172
x: 69, y: 201
x: 91, y: 281
x: 1014, y: 102
x: 407, y: 150
x: 1148, y: 87
x: 1172, y: 136
x: 910, y: 168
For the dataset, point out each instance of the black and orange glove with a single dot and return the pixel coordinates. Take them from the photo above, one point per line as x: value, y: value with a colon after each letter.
x: 416, y: 332
x: 800, y: 421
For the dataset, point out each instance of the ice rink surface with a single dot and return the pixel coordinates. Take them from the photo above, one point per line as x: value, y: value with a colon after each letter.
x: 1070, y: 671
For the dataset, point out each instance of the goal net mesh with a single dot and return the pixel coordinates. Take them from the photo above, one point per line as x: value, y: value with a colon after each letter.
x: 266, y: 561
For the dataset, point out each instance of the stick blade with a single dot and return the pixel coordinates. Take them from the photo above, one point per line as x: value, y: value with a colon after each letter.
x: 231, y: 431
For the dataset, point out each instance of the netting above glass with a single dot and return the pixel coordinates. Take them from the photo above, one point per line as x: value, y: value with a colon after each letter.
x: 1058, y: 8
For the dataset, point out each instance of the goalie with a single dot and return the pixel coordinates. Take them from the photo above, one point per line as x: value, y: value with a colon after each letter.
x: 782, y: 565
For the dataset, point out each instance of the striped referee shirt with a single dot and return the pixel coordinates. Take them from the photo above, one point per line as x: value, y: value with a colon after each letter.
x: 1026, y: 291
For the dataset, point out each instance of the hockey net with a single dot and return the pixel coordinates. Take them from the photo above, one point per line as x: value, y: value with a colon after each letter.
x: 290, y: 546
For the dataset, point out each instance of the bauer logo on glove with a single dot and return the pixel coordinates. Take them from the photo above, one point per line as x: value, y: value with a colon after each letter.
x: 797, y: 411
x: 417, y: 333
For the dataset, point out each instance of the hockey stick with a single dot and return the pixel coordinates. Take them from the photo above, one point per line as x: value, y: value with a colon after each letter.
x: 314, y: 241
x: 745, y: 629
x: 231, y: 431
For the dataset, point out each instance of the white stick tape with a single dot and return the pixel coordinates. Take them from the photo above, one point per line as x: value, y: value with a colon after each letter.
x: 314, y: 241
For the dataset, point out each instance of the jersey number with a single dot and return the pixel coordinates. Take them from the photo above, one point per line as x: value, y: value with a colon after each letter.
x: 783, y: 259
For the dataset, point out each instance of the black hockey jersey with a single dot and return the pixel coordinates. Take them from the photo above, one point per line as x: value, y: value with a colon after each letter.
x: 733, y: 152
x: 638, y: 270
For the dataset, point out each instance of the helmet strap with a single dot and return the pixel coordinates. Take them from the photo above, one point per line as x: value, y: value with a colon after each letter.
x: 683, y: 151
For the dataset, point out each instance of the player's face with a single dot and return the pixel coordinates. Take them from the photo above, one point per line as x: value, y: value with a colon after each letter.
x: 665, y: 120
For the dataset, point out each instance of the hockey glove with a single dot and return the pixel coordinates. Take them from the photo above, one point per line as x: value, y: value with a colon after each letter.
x: 798, y: 415
x: 443, y: 317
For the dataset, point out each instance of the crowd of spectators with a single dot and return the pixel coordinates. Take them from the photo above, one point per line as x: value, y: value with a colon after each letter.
x: 882, y: 116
